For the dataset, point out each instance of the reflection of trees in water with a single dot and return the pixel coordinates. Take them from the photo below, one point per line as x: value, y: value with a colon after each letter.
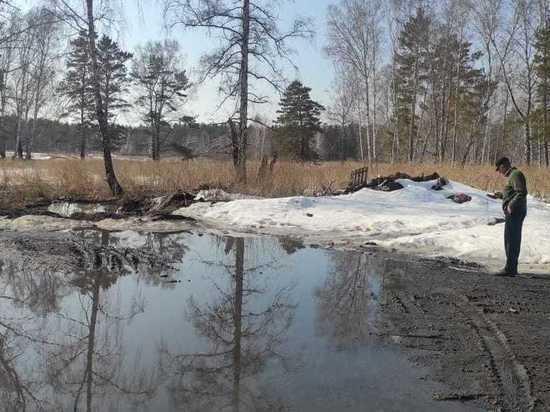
x: 82, y: 351
x: 241, y: 339
x: 156, y: 253
x: 90, y: 360
x: 348, y: 298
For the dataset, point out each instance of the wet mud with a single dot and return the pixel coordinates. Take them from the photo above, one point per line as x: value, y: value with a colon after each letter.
x: 487, y: 337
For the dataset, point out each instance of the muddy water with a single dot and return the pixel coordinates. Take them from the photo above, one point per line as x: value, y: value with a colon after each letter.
x: 198, y: 322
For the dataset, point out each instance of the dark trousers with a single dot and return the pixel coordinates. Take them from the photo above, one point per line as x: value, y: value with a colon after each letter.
x: 512, y: 239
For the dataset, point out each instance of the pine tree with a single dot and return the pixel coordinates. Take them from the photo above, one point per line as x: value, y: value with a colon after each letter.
x: 163, y: 83
x: 542, y: 71
x: 412, y: 69
x: 298, y: 121
x: 114, y: 77
x: 76, y: 87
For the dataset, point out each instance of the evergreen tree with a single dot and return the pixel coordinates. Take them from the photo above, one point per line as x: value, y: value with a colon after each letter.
x: 114, y: 77
x: 466, y: 85
x: 298, y: 121
x: 77, y: 88
x: 412, y: 70
x: 76, y: 85
x: 542, y: 70
x: 437, y: 84
x: 162, y: 82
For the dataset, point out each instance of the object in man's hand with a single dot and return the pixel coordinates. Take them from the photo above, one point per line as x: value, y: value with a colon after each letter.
x: 496, y: 195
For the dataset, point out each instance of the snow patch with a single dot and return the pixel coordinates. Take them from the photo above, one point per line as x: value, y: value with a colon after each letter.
x: 219, y: 195
x: 415, y: 218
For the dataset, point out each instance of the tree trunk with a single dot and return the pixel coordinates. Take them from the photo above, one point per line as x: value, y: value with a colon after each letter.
x: 155, y: 142
x: 539, y: 148
x: 455, y: 120
x: 498, y: 152
x: 234, y: 143
x: 2, y: 143
x: 545, y: 122
x: 83, y: 131
x: 243, y: 80
x: 413, y: 113
x: 360, y: 134
x: 446, y: 116
x: 374, y: 92
x: 83, y: 139
x: 530, y: 86
x: 3, y: 102
x: 394, y: 92
x: 426, y: 140
x: 32, y: 132
x: 18, y: 150
x: 528, y: 142
x: 30, y: 139
x: 369, y: 133
x: 114, y: 185
x: 342, y: 137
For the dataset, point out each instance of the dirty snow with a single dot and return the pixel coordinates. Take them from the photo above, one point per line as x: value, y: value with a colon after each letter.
x: 32, y: 223
x: 69, y: 209
x: 415, y: 219
x: 219, y: 195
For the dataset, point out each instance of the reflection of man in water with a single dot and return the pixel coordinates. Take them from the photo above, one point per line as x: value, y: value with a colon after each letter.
x: 514, y: 205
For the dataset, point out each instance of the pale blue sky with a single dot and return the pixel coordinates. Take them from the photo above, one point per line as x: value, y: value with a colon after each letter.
x: 314, y: 69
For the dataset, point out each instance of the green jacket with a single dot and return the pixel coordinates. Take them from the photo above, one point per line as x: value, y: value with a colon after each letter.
x: 515, y: 191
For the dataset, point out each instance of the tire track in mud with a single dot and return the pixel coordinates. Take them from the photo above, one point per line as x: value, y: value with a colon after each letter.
x: 513, y: 383
x: 452, y: 323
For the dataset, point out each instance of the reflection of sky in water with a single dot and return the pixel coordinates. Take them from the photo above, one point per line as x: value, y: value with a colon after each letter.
x: 311, y: 371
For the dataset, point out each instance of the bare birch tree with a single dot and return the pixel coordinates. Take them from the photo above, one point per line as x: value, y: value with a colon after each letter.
x: 341, y: 110
x: 487, y: 21
x: 354, y: 36
x: 515, y: 49
x: 45, y: 35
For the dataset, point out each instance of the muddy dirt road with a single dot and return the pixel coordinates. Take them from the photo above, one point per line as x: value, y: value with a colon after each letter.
x: 487, y: 337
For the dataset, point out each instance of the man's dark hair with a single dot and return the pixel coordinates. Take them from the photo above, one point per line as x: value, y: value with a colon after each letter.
x: 502, y: 161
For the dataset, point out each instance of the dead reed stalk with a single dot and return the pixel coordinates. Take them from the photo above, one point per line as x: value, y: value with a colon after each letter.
x: 22, y: 182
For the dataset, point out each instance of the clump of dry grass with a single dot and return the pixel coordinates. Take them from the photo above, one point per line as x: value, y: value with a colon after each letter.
x: 22, y: 182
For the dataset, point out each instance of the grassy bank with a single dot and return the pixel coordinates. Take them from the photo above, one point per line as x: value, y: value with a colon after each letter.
x: 23, y: 182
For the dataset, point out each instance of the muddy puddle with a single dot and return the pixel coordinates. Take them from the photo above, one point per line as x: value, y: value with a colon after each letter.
x: 197, y: 322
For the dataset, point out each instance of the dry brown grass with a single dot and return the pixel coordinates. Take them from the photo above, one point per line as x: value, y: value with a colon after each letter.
x: 22, y: 182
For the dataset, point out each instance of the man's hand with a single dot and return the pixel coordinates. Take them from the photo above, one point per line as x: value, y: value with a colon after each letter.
x: 508, y: 210
x: 496, y: 195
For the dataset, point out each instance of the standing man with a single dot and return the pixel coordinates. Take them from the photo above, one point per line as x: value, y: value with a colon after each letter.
x: 514, y: 205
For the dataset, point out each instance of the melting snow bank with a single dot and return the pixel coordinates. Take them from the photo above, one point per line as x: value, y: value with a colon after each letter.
x: 415, y: 219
